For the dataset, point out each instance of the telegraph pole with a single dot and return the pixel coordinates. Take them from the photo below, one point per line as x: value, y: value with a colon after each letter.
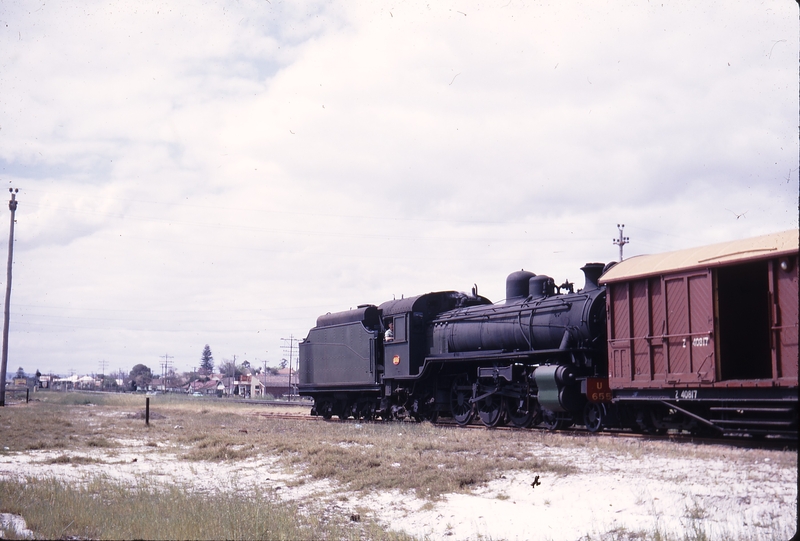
x: 103, y: 364
x: 621, y: 241
x: 291, y: 341
x: 164, y: 368
x: 12, y: 206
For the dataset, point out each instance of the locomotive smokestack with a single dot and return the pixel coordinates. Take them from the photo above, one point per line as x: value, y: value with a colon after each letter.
x: 592, y: 272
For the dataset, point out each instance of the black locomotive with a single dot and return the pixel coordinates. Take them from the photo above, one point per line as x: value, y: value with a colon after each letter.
x: 531, y: 359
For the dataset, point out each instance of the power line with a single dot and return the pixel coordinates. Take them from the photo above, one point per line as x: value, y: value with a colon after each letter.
x: 165, y: 367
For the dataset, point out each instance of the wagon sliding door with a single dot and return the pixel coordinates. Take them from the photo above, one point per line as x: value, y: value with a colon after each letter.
x: 636, y: 328
x: 689, y: 326
x: 660, y: 330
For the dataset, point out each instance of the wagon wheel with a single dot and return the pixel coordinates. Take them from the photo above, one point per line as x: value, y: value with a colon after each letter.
x: 325, y: 409
x: 523, y: 412
x: 646, y: 423
x: 460, y: 406
x: 491, y: 410
x: 594, y: 416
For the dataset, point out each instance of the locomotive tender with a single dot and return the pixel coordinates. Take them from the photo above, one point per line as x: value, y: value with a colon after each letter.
x: 702, y: 340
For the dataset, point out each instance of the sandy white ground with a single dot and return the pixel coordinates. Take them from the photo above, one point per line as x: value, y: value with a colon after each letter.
x: 741, y: 493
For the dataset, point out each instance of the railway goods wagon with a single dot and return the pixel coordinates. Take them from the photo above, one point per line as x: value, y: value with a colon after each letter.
x: 704, y: 339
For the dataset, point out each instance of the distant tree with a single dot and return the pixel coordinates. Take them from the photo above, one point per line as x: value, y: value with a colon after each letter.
x: 141, y: 376
x: 230, y: 368
x: 20, y: 373
x: 206, y: 361
x: 284, y: 363
x: 109, y: 382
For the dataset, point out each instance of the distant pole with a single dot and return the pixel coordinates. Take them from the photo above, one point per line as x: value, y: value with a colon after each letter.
x: 621, y: 241
x: 291, y: 341
x: 103, y: 364
x: 164, y: 369
x: 12, y: 205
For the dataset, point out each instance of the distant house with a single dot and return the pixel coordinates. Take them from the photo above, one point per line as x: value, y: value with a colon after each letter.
x: 86, y: 383
x: 212, y: 387
x: 65, y: 384
x: 278, y: 385
x: 247, y: 386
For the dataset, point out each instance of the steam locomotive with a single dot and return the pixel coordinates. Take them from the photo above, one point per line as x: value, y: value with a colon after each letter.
x: 702, y: 340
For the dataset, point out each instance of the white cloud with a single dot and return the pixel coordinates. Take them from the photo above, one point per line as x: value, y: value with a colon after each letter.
x: 224, y: 173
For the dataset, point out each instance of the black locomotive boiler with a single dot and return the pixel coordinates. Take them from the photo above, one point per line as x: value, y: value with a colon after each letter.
x: 533, y: 358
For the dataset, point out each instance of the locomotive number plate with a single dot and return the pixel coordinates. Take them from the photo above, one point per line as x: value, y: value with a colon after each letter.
x: 597, y: 390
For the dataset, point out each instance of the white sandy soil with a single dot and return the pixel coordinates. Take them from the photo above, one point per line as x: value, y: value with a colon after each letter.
x: 737, y: 493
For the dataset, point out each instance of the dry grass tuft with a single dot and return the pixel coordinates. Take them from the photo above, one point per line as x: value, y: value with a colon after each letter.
x: 100, y: 509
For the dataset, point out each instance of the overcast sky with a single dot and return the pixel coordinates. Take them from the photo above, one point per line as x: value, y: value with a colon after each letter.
x: 223, y: 173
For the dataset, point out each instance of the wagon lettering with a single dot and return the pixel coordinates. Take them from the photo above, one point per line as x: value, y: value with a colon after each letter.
x: 700, y: 341
x: 686, y: 395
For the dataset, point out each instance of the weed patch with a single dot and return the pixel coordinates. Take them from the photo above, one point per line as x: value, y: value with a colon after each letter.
x: 100, y: 509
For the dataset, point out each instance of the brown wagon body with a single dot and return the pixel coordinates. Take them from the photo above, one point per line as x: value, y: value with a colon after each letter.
x: 719, y: 316
x: 698, y: 325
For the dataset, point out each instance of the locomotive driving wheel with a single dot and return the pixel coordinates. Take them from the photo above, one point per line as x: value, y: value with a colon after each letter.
x: 460, y: 406
x: 523, y: 412
x: 491, y: 410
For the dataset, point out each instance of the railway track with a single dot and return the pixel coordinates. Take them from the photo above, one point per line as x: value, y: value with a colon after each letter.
x: 742, y: 442
x: 747, y: 443
x: 288, y: 415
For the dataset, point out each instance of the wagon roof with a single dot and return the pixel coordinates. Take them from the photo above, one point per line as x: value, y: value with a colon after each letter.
x: 724, y: 253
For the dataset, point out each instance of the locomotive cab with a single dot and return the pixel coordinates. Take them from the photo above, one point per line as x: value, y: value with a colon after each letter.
x: 409, y: 318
